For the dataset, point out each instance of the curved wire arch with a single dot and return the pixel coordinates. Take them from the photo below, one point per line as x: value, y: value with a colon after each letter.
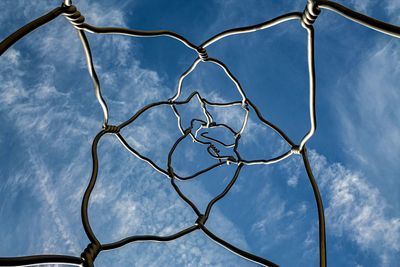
x: 306, y: 19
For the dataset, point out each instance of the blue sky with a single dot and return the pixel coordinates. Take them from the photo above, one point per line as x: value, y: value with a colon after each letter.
x: 49, y: 116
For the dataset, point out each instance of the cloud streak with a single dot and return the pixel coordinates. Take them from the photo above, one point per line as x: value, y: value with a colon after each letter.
x: 356, y: 210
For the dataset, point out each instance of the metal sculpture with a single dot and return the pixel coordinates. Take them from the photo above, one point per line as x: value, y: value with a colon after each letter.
x: 306, y: 18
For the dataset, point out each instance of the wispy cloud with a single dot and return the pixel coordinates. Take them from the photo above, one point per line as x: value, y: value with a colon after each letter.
x: 49, y: 115
x: 369, y: 115
x: 357, y: 210
x: 361, y: 6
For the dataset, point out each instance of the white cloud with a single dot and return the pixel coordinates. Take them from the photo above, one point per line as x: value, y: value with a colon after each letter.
x: 392, y: 8
x: 356, y: 210
x: 361, y: 6
x: 12, y: 57
x: 50, y: 196
x: 369, y: 115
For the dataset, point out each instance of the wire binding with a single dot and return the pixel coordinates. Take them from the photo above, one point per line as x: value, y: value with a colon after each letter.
x: 310, y: 13
x: 90, y: 253
x: 74, y: 17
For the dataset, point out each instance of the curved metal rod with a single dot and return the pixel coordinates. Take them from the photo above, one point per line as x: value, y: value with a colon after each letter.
x: 184, y: 197
x: 223, y: 193
x: 214, y: 154
x: 151, y: 105
x: 178, y: 117
x: 148, y: 160
x: 217, y: 125
x: 172, y: 175
x: 31, y: 26
x: 41, y: 259
x: 237, y: 251
x: 93, y: 75
x: 271, y: 125
x: 252, y: 28
x: 228, y: 104
x: 205, y: 135
x: 203, y: 103
x: 138, y: 33
x: 200, y: 172
x: 216, y: 62
x: 89, y: 189
x: 267, y: 162
x: 320, y: 208
x: 312, y: 87
x: 204, y: 109
x: 140, y: 156
x: 183, y: 76
x: 230, y: 76
x: 139, y: 238
x: 227, y: 158
x: 359, y: 18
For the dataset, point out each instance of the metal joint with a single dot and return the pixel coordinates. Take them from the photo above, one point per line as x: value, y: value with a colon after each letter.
x: 310, y: 13
x: 90, y: 253
x: 112, y: 129
x: 202, y: 53
x: 75, y: 17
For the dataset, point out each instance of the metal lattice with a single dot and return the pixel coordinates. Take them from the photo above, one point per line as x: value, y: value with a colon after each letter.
x: 306, y: 18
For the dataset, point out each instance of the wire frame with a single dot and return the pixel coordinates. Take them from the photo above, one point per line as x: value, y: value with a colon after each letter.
x: 306, y: 19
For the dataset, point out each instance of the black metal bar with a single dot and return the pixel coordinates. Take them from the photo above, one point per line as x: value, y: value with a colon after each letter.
x: 362, y: 19
x: 137, y: 238
x: 31, y: 26
x: 223, y: 193
x: 139, y: 33
x: 320, y: 208
x: 269, y: 124
x: 252, y: 28
x: 89, y: 189
x: 200, y: 172
x: 40, y: 259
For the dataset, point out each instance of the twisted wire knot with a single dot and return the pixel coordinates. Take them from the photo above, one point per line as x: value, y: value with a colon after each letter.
x: 112, y: 129
x: 310, y: 13
x: 201, y: 220
x: 296, y: 150
x: 215, y: 149
x: 90, y: 253
x: 74, y: 16
x: 202, y: 53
